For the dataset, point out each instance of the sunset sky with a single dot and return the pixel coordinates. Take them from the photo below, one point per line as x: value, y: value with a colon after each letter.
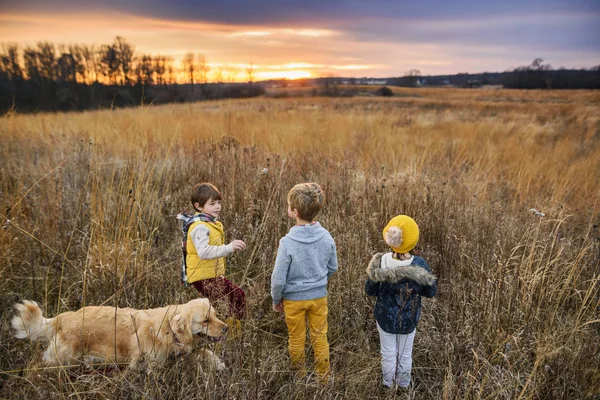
x: 315, y: 37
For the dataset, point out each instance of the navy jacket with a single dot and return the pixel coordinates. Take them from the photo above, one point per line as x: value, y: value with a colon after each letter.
x: 399, y: 290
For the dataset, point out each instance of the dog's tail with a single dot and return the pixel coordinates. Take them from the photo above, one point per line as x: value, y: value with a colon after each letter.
x: 31, y: 323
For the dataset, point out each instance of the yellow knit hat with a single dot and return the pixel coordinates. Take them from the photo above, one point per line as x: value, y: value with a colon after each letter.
x: 401, y: 234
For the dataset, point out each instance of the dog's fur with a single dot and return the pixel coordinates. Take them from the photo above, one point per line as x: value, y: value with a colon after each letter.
x: 119, y: 335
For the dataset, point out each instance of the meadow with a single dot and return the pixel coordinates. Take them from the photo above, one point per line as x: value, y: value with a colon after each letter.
x: 88, y: 204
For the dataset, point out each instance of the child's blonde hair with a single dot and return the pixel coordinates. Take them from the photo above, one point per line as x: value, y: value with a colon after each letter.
x: 307, y: 198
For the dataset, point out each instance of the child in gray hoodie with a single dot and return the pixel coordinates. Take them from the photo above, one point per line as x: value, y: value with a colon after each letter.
x: 306, y: 258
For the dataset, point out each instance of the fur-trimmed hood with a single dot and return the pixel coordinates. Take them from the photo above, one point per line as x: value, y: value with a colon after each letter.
x: 413, y: 272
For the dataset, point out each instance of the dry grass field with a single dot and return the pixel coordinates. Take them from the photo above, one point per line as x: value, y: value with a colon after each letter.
x: 92, y: 198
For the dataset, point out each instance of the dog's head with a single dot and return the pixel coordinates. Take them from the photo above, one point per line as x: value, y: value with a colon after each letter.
x: 200, y: 319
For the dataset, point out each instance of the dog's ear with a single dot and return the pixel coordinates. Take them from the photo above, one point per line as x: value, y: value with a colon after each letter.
x: 206, y: 306
x: 201, y: 302
x: 179, y: 323
x: 199, y: 307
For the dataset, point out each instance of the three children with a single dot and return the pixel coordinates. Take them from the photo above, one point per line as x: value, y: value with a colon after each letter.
x: 306, y: 259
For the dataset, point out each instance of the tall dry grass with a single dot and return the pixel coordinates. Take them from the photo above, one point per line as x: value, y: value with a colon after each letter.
x: 92, y: 198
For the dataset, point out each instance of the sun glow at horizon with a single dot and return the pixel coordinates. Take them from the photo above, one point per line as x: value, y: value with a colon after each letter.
x: 231, y: 52
x: 288, y: 74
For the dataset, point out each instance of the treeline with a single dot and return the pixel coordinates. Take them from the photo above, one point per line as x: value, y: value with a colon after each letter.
x: 48, y: 77
x: 537, y: 75
x: 463, y: 80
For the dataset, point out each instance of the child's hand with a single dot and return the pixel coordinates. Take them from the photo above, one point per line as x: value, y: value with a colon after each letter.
x: 278, y: 308
x: 238, y: 245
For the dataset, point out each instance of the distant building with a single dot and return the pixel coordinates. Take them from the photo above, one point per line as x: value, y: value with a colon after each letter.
x: 364, y: 81
x: 377, y: 82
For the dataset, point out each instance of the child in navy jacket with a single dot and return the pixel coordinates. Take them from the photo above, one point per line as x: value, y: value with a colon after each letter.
x: 398, y: 279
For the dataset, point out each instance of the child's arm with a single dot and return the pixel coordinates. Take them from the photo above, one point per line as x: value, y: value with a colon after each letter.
x: 206, y: 251
x: 428, y: 290
x: 280, y: 272
x: 332, y: 265
x: 372, y: 288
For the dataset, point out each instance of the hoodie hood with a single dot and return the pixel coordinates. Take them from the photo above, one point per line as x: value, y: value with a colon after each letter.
x: 394, y: 274
x: 306, y: 233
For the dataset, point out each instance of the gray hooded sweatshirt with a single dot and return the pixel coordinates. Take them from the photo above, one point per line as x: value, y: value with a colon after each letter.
x: 306, y: 258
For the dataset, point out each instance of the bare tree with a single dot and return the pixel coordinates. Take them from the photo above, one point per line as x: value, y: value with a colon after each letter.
x: 11, y: 64
x: 189, y: 68
x: 91, y: 55
x: 32, y: 63
x: 170, y: 71
x: 160, y: 68
x: 538, y: 64
x: 225, y: 71
x: 80, y: 63
x: 144, y: 69
x: 203, y: 69
x: 250, y: 72
x: 542, y: 72
x: 109, y: 63
x: 413, y: 76
x: 65, y: 68
x: 330, y: 85
x: 219, y: 74
x: 124, y: 53
x: 47, y: 58
x: 231, y: 72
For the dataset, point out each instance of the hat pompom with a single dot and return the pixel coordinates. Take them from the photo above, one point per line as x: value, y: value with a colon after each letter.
x: 393, y: 237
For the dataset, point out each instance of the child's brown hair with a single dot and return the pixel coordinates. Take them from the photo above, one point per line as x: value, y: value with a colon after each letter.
x: 203, y: 192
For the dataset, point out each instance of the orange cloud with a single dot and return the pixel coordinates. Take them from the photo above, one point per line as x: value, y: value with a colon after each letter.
x: 276, y: 51
x: 286, y: 31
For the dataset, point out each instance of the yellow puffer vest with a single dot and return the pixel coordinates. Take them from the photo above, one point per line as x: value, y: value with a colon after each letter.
x: 197, y: 268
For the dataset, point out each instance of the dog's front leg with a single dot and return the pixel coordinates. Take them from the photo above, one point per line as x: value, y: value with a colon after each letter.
x: 214, y: 361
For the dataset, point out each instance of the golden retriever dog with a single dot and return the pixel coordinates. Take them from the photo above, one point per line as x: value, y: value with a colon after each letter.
x: 119, y: 335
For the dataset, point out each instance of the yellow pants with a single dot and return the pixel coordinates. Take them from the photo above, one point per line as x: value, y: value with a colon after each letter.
x: 296, y: 314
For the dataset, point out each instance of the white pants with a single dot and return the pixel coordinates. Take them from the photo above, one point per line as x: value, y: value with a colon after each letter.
x: 396, y: 357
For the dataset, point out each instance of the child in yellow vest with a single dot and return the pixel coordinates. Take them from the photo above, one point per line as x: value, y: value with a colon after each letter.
x: 206, y: 252
x: 306, y: 258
